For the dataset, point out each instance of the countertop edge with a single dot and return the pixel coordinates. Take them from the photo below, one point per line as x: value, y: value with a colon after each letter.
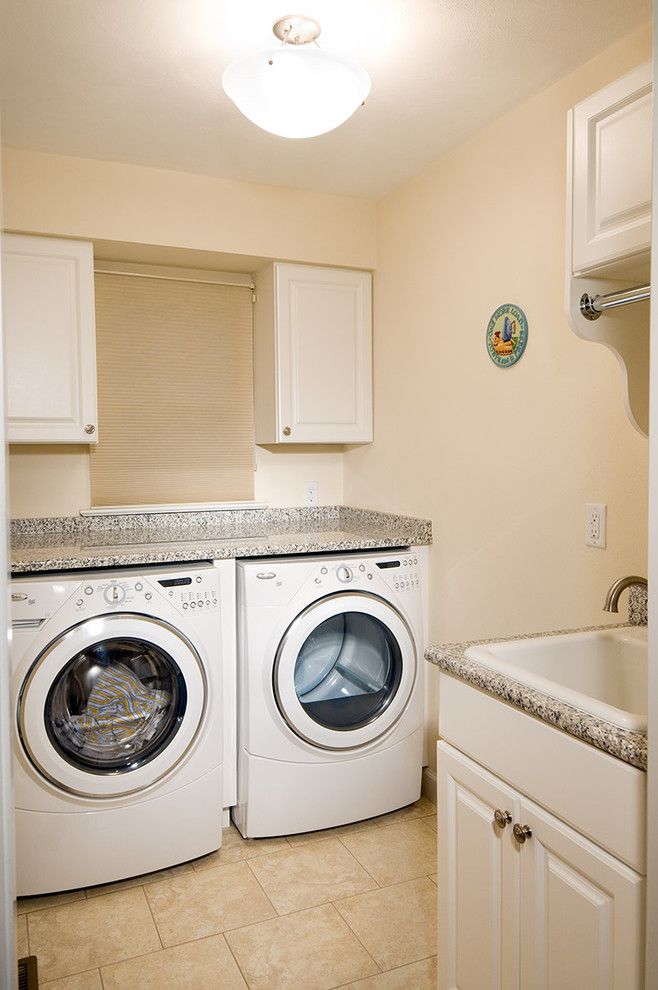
x: 210, y: 551
x: 625, y: 744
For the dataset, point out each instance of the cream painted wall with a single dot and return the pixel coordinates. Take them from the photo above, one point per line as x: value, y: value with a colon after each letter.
x: 501, y: 461
x: 54, y: 480
x: 80, y: 197
x: 282, y: 472
x: 173, y: 211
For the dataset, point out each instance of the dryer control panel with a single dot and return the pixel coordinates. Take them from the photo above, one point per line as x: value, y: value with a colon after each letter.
x: 400, y: 571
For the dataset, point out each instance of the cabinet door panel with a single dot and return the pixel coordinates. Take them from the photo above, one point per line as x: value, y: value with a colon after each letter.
x: 582, y: 919
x: 612, y: 172
x: 49, y: 339
x: 324, y: 355
x: 477, y: 879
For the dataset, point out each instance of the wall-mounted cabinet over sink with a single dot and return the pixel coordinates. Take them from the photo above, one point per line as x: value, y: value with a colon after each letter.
x: 50, y: 340
x: 612, y: 172
x: 609, y: 225
x: 313, y: 355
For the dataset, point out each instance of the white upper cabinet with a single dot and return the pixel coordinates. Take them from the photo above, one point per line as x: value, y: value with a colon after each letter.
x: 313, y: 355
x: 611, y: 172
x: 50, y: 340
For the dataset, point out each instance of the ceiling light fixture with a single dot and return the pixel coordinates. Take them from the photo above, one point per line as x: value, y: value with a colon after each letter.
x: 297, y: 90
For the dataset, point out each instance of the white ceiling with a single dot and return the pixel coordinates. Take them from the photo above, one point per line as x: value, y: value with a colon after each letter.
x: 139, y: 81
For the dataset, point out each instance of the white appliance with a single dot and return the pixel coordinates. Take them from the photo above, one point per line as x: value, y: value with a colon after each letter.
x: 330, y: 689
x: 117, y: 682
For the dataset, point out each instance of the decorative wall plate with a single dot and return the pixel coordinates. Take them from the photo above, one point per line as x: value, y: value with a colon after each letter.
x: 507, y: 335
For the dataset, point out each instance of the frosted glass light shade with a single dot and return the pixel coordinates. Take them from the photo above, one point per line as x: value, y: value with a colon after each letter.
x: 296, y: 92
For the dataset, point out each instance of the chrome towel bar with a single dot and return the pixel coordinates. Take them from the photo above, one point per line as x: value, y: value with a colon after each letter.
x: 592, y: 306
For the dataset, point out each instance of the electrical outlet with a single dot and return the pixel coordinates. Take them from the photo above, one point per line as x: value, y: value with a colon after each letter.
x: 595, y: 525
x: 311, y: 493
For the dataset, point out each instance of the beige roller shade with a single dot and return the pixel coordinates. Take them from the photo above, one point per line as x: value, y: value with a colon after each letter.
x: 175, y: 392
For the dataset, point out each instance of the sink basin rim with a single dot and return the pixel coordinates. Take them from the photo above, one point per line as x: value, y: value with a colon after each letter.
x: 483, y: 654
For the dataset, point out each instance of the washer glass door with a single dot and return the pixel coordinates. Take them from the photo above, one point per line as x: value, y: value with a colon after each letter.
x: 115, y: 705
x: 345, y: 670
x: 112, y: 705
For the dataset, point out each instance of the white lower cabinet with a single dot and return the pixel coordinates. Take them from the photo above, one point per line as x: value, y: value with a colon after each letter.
x: 545, y: 911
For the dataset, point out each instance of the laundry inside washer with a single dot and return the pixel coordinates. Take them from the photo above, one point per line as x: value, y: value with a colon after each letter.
x: 115, y: 703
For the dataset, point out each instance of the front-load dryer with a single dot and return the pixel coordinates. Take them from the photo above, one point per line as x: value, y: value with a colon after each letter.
x: 330, y: 689
x: 118, y: 727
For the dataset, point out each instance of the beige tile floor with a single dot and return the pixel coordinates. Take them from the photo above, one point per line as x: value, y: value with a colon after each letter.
x: 349, y: 907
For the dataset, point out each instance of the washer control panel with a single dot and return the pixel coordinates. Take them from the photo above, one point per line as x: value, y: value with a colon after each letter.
x: 188, y: 593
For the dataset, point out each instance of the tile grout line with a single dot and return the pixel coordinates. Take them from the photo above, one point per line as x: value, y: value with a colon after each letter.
x: 354, y: 856
x: 345, y: 986
x: 237, y: 963
x: 365, y: 949
x: 155, y: 924
x: 394, y: 969
x: 383, y: 886
x: 265, y: 894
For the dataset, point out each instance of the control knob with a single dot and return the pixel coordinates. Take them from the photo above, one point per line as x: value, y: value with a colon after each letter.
x: 344, y: 574
x: 114, y: 595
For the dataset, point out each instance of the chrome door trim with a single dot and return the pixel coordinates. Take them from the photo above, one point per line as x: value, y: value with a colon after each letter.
x: 42, y: 656
x: 282, y: 645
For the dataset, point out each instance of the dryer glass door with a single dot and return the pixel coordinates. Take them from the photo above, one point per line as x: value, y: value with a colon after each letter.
x: 345, y: 670
x: 348, y: 670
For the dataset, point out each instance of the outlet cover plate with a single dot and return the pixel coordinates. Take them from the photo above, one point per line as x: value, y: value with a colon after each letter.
x: 595, y: 525
x: 311, y: 493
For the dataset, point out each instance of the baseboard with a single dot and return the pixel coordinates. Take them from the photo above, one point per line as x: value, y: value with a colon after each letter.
x: 428, y: 786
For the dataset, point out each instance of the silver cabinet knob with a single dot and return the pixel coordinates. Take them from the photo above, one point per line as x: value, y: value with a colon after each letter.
x: 286, y: 431
x: 521, y: 833
x: 90, y: 428
x: 502, y: 818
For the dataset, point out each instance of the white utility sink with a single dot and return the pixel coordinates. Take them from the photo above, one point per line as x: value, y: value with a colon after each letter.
x: 603, y: 672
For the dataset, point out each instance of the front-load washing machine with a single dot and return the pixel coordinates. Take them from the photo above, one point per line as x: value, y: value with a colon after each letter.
x: 118, y: 727
x: 330, y: 689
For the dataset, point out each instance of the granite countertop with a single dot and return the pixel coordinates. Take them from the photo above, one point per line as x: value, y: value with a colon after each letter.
x: 629, y: 746
x: 72, y: 543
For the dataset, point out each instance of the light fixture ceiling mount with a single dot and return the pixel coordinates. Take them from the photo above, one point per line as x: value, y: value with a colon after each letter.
x: 296, y: 90
x: 296, y: 30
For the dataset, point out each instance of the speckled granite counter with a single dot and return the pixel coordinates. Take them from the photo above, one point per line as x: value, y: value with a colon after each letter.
x: 631, y: 747
x: 59, y: 544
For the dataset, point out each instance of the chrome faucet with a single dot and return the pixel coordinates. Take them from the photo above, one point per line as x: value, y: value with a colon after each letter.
x: 612, y: 598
